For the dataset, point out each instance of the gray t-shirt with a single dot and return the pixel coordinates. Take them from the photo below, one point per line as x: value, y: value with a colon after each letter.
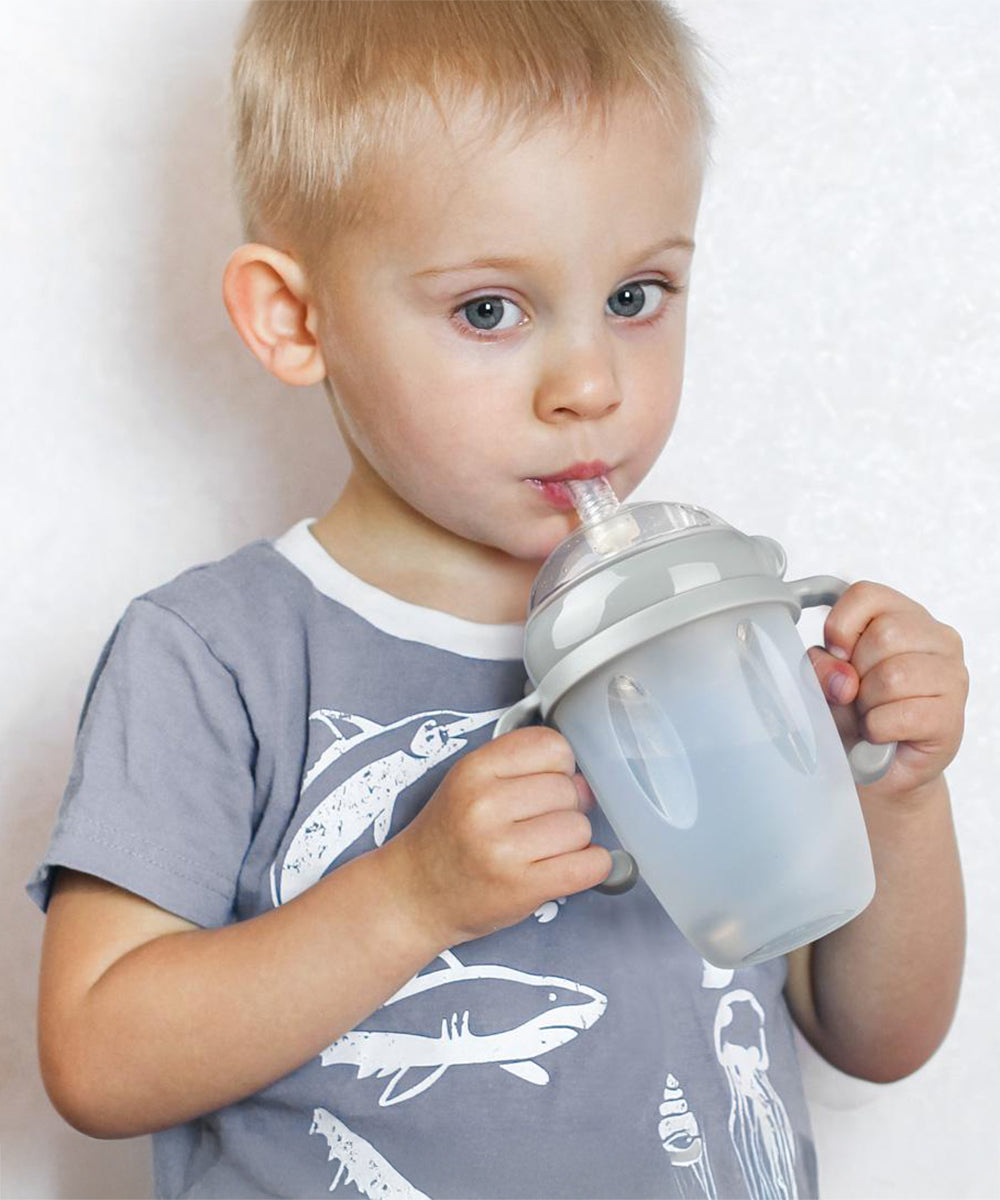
x: 260, y: 720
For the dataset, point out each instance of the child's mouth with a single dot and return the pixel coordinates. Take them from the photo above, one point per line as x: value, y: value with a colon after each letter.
x: 557, y: 494
x: 555, y: 491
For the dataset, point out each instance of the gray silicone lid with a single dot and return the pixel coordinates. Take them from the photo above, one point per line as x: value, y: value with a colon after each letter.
x: 646, y: 569
x: 631, y: 528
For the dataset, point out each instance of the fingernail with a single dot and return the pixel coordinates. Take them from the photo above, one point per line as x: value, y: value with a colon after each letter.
x: 839, y: 685
x: 838, y: 652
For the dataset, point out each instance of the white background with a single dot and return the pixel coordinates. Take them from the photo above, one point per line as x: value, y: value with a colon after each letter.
x: 841, y: 396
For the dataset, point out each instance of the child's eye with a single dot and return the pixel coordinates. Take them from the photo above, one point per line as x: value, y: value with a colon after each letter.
x: 485, y: 314
x: 631, y: 298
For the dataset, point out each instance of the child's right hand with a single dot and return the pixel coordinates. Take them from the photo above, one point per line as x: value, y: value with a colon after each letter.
x: 505, y: 831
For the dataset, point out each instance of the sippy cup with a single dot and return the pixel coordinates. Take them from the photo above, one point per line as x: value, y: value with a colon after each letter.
x: 661, y: 642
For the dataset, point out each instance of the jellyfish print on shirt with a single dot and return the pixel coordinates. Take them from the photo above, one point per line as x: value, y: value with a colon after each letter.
x: 759, y: 1127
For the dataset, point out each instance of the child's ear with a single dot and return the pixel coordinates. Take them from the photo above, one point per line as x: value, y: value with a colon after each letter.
x: 267, y: 297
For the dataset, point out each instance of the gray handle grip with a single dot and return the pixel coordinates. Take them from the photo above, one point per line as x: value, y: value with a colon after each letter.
x: 869, y: 761
x: 624, y: 872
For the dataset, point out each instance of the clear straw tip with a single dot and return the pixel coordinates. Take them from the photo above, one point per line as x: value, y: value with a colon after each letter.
x: 595, y: 502
x: 594, y: 498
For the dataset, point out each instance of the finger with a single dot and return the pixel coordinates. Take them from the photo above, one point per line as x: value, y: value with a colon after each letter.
x: 894, y: 633
x: 569, y: 873
x: 904, y: 676
x: 838, y: 679
x: 848, y: 722
x: 856, y: 609
x: 587, y: 798
x: 528, y: 751
x: 920, y: 719
x: 531, y: 795
x: 549, y: 834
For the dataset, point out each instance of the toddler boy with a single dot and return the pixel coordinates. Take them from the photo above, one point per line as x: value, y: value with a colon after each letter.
x: 310, y: 926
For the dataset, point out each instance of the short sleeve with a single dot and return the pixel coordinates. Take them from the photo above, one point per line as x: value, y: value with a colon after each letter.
x: 160, y: 798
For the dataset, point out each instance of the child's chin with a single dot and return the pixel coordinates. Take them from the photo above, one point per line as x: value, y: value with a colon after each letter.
x: 554, y: 530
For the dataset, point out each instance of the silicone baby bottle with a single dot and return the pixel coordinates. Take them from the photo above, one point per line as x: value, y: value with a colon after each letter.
x: 661, y: 642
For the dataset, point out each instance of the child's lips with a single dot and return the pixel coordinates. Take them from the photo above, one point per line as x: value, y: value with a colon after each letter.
x: 557, y: 494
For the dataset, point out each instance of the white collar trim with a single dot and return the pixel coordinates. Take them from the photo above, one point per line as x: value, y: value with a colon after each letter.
x: 400, y: 618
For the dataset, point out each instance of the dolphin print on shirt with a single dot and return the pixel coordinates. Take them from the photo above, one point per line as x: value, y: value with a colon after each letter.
x: 401, y: 754
x: 382, y: 1053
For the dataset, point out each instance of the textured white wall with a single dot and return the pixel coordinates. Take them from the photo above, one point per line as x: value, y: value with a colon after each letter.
x: 841, y: 396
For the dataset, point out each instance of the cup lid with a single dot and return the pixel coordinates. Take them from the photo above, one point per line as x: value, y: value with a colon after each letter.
x: 630, y: 528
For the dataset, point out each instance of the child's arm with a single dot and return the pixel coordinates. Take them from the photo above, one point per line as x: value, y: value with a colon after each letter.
x: 876, y: 997
x: 146, y: 1021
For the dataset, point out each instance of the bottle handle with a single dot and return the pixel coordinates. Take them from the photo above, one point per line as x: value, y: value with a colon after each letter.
x: 624, y: 873
x: 869, y: 761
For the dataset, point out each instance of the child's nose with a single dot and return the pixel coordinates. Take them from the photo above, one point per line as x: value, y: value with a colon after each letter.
x: 580, y: 373
x: 591, y: 397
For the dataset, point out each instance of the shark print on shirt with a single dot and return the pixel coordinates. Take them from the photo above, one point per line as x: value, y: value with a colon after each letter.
x: 565, y: 1009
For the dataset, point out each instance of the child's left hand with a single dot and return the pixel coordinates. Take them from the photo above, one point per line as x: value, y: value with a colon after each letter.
x: 906, y: 682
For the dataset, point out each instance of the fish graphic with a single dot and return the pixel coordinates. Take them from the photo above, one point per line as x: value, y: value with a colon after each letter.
x: 514, y: 1050
x: 360, y: 1162
x: 399, y: 757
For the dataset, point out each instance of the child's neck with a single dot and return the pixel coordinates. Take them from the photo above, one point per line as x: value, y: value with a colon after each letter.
x: 385, y: 543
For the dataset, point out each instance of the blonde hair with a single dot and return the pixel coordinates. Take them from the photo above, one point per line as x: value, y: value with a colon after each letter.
x: 324, y: 92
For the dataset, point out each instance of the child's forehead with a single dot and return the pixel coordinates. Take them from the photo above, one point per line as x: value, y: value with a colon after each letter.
x: 463, y: 184
x: 464, y: 141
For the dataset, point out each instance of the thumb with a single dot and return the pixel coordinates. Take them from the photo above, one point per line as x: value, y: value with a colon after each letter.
x: 838, y: 679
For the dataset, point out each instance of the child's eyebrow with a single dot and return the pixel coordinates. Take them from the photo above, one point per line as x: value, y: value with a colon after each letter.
x: 673, y: 242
